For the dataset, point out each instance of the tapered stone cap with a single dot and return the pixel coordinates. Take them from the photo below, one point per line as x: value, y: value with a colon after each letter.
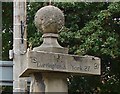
x: 49, y: 19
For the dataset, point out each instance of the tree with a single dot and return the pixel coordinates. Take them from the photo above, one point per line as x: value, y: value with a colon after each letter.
x: 7, y: 28
x: 92, y: 29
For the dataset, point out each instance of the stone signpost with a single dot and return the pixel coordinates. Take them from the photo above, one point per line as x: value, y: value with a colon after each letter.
x: 49, y: 65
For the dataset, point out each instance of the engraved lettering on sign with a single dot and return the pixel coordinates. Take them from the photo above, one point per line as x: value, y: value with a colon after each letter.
x: 86, y: 68
x: 57, y: 58
x: 80, y: 68
x: 76, y: 68
x: 96, y: 66
x: 57, y: 65
x: 33, y: 59
x: 51, y: 65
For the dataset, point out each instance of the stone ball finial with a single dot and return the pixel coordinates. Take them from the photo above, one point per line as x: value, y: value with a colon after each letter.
x: 49, y: 19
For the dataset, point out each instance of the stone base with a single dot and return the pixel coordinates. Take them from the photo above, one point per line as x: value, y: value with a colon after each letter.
x: 49, y: 83
x: 52, y: 49
x: 50, y: 44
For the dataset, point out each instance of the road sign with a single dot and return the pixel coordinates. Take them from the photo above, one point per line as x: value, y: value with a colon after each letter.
x: 48, y: 62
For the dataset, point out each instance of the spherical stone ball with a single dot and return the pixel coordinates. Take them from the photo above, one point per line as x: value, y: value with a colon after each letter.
x: 49, y: 19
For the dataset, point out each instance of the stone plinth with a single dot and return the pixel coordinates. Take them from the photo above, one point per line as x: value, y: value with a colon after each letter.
x: 50, y: 44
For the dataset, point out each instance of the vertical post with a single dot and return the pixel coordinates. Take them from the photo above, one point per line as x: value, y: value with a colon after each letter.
x: 19, y: 44
x: 57, y: 83
x: 0, y: 30
x: 50, y: 25
x: 0, y: 39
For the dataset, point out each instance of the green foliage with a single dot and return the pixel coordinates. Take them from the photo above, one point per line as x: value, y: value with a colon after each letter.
x: 7, y: 27
x: 6, y: 89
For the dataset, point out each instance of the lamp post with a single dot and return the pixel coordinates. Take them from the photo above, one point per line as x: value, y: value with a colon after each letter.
x: 19, y: 43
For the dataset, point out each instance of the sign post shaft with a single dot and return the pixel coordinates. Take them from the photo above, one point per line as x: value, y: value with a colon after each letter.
x: 49, y: 65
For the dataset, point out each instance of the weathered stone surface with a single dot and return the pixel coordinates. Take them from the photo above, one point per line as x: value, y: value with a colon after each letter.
x: 49, y: 19
x: 40, y: 61
x: 50, y: 44
x: 55, y: 82
x: 37, y: 83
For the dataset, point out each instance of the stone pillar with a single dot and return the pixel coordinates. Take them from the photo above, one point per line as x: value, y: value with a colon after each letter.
x: 37, y: 83
x: 49, y: 20
x: 55, y: 82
